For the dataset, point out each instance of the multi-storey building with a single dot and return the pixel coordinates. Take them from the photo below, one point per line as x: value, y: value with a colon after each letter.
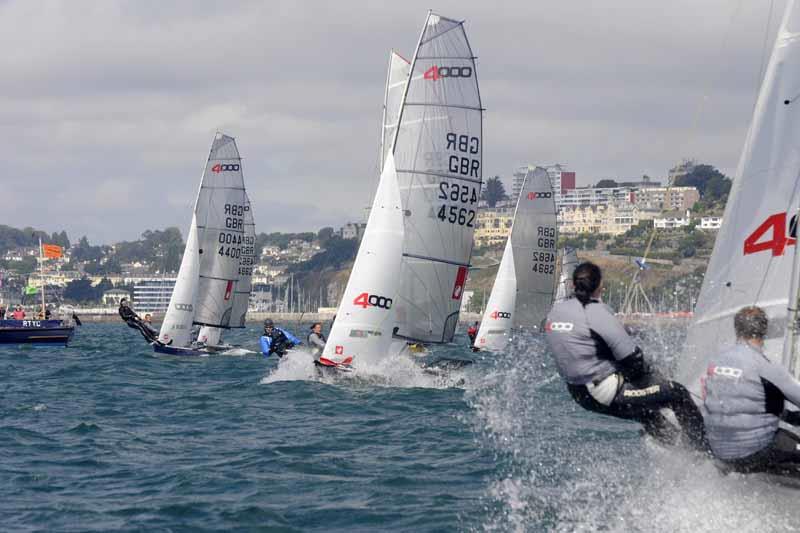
x: 152, y: 296
x: 609, y: 219
x: 594, y: 196
x: 493, y: 225
x: 667, y: 198
x: 560, y: 179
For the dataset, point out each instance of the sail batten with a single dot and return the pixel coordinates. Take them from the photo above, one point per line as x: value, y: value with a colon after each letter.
x: 209, y: 274
x: 522, y: 292
x: 438, y: 148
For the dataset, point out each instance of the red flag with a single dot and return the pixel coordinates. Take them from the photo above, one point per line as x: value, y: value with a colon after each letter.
x: 52, y: 251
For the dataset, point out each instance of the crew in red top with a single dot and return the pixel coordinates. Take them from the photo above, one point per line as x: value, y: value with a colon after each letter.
x: 18, y: 313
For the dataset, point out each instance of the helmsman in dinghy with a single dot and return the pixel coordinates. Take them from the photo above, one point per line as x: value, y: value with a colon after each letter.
x: 744, y: 395
x: 605, y: 370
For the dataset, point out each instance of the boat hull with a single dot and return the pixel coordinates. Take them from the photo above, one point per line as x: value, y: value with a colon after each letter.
x: 183, y: 352
x: 35, y: 332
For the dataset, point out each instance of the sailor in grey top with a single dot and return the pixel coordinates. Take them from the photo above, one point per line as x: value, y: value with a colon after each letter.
x: 744, y: 395
x: 316, y: 340
x: 605, y: 370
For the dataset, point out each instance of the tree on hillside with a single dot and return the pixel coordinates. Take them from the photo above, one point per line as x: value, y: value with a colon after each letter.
x: 605, y: 184
x: 493, y: 191
x: 712, y: 184
x: 324, y: 235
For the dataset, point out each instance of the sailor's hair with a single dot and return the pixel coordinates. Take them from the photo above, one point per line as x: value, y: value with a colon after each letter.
x: 315, y: 324
x: 750, y: 323
x: 585, y: 280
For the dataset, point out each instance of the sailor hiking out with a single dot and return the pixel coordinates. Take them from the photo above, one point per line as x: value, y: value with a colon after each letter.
x: 605, y: 371
x: 744, y: 395
x: 276, y: 340
x: 135, y: 321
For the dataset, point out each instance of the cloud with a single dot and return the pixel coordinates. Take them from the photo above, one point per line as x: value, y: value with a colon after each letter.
x: 107, y: 109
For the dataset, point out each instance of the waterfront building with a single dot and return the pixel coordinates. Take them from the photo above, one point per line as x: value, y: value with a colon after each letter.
x: 152, y: 295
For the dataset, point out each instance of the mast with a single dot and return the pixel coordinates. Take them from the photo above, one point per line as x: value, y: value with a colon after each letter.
x: 41, y: 272
x: 789, y: 359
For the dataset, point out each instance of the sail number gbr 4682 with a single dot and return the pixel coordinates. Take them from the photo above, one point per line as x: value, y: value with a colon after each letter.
x: 464, y: 151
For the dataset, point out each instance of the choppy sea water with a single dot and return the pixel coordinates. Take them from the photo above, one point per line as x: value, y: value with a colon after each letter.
x: 103, y: 436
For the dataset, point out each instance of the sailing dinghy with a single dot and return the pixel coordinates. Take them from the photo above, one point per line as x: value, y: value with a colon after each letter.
x: 755, y: 259
x: 522, y: 293
x: 213, y: 283
x: 425, y: 208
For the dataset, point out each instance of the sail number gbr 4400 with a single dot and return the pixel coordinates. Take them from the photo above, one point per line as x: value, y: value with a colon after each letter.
x: 233, y: 243
x: 461, y: 162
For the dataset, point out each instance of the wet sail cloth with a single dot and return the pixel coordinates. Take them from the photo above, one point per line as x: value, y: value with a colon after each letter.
x: 437, y: 151
x: 206, y: 283
x: 752, y: 259
x: 523, y: 289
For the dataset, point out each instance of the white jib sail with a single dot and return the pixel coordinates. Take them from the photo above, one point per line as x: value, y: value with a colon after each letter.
x: 438, y: 153
x: 177, y: 325
x: 220, y: 223
x: 241, y: 294
x: 365, y: 318
x: 569, y: 260
x: 752, y: 258
x: 399, y: 68
x: 496, y: 324
x: 533, y: 238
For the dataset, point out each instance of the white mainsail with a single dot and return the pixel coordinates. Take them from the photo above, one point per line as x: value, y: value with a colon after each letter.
x: 437, y: 150
x: 204, y: 290
x: 752, y: 259
x: 241, y: 294
x: 569, y: 260
x: 533, y: 238
x: 366, y: 316
x: 523, y: 289
x: 396, y: 78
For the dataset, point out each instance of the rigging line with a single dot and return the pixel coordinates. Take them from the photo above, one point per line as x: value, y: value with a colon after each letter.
x: 764, y: 45
x: 689, y: 141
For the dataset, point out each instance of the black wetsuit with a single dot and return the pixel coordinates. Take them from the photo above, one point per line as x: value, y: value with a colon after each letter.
x: 133, y: 321
x: 606, y: 372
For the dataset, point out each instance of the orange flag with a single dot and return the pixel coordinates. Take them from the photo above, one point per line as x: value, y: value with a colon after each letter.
x: 52, y: 251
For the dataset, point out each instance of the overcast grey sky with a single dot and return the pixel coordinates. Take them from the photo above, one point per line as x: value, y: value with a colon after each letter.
x: 107, y: 109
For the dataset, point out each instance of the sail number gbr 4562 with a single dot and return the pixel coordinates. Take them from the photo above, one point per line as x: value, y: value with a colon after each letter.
x: 463, y: 152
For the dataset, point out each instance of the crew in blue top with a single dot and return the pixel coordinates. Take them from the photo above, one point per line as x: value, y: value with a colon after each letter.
x: 276, y: 340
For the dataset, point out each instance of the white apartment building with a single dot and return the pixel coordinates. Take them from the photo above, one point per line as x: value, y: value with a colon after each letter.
x: 560, y: 179
x: 152, y: 296
x: 673, y: 220
x: 712, y: 223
